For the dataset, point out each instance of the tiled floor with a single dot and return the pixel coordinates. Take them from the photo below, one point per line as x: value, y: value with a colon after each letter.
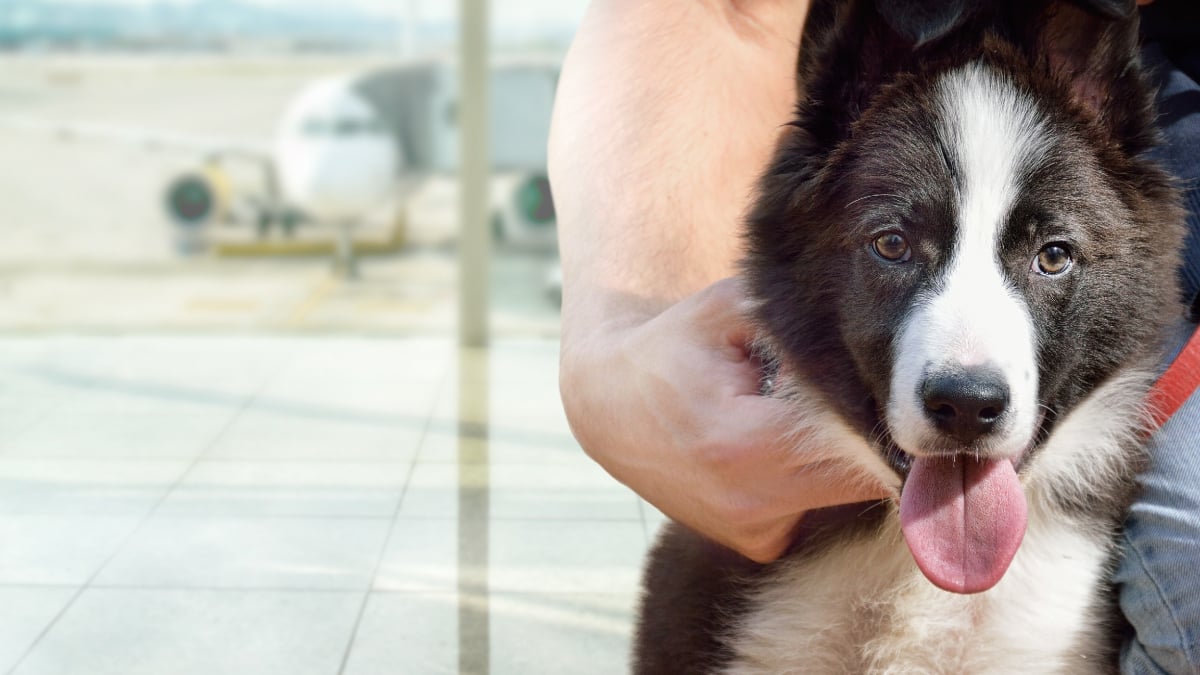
x: 177, y: 505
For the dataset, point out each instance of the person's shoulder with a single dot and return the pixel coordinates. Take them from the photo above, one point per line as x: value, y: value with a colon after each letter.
x: 1171, y: 21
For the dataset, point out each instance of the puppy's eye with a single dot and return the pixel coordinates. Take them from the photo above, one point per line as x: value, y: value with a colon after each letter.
x: 1053, y: 260
x: 892, y: 246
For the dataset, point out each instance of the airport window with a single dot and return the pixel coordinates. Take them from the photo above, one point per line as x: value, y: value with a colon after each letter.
x: 230, y: 369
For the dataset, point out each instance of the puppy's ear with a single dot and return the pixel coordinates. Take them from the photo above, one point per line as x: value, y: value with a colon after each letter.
x: 849, y: 51
x: 1091, y: 48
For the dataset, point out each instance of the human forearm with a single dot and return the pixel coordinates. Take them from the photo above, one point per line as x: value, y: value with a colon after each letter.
x: 649, y: 191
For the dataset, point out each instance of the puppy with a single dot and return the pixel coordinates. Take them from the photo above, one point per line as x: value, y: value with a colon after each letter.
x: 962, y: 265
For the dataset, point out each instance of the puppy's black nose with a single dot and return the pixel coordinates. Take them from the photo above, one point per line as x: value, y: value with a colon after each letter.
x: 965, y: 404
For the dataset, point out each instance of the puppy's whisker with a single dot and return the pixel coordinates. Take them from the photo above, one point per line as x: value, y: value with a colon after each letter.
x: 873, y: 505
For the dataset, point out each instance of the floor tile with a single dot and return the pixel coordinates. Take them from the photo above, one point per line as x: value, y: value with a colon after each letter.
x: 407, y: 633
x: 434, y: 489
x: 62, y: 359
x: 130, y: 396
x: 421, y: 555
x: 200, y: 552
x: 16, y: 421
x: 134, y: 632
x: 522, y: 390
x: 248, y: 488
x: 580, y: 490
x: 516, y: 412
x: 27, y: 612
x: 145, y: 435
x: 305, y: 433
x: 560, y: 633
x: 274, y: 467
x: 64, y: 550
x: 177, y: 367
x: 373, y: 359
x: 523, y: 360
x: 441, y: 443
x: 233, y: 361
x: 34, y: 392
x: 19, y: 352
x: 50, y: 376
x: 364, y: 394
x: 565, y: 556
x: 169, y: 391
x: 85, y: 486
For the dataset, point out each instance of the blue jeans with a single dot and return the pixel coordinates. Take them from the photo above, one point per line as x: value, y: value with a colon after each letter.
x: 1159, y: 575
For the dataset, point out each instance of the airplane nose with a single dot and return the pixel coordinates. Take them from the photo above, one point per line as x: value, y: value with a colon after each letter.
x: 965, y: 404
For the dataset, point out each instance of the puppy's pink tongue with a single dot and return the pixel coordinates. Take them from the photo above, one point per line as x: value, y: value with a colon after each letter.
x: 963, y: 520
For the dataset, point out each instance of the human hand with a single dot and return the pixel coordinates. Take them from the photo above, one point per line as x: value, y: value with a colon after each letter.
x: 671, y: 407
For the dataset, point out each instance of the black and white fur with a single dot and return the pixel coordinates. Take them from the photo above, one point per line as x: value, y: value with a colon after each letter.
x: 981, y: 132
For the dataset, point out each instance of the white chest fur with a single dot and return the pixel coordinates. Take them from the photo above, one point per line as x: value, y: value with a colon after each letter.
x: 863, y: 607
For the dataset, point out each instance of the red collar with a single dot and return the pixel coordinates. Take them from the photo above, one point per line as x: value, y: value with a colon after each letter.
x: 1175, y: 385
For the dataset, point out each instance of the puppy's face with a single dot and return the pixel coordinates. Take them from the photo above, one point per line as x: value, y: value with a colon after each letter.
x: 978, y: 243
x: 965, y: 258
x: 955, y: 245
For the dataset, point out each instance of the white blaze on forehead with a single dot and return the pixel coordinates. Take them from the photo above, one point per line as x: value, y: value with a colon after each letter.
x: 992, y: 133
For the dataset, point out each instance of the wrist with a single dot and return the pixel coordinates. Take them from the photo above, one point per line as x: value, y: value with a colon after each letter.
x: 594, y: 364
x: 596, y: 320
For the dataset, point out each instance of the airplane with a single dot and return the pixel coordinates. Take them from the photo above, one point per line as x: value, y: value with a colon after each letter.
x: 345, y: 145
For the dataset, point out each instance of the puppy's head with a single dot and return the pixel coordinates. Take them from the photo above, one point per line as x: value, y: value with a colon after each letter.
x: 959, y: 238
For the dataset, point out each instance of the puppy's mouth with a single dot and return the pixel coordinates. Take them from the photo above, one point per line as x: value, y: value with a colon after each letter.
x: 962, y: 512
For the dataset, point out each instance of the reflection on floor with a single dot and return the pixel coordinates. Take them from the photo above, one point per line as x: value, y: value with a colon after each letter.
x: 304, y: 505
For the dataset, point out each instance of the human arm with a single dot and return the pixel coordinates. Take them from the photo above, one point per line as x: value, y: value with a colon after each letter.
x: 665, y: 115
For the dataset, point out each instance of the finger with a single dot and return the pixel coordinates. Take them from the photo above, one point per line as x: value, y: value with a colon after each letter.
x: 771, y: 421
x: 827, y: 483
x: 723, y: 306
x: 769, y: 542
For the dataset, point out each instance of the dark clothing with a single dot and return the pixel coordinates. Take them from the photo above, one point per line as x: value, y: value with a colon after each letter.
x: 1171, y: 35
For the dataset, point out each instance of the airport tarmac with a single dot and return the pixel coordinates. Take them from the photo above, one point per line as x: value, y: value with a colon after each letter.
x: 88, y: 247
